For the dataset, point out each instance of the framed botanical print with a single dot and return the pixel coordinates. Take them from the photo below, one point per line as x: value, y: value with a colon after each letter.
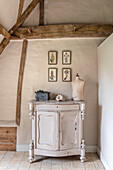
x: 52, y: 57
x: 66, y: 74
x: 52, y: 74
x: 66, y: 57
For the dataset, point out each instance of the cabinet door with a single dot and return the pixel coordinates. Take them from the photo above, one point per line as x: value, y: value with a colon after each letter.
x: 48, y: 130
x: 69, y: 130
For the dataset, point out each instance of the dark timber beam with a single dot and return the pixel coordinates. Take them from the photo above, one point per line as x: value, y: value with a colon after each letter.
x: 25, y: 15
x: 21, y: 4
x: 20, y: 81
x: 41, y: 6
x: 3, y: 44
x: 4, y: 32
x: 21, y: 20
x: 63, y: 31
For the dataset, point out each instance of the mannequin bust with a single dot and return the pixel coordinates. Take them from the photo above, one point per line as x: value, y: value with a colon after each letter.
x: 77, y: 88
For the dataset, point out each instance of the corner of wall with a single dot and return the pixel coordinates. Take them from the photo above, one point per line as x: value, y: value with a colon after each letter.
x: 102, y: 158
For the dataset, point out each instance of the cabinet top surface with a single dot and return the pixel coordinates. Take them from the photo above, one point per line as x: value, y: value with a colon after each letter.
x: 55, y: 102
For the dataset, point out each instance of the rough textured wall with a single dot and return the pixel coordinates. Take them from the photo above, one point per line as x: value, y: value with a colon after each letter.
x: 84, y: 61
x: 9, y: 67
x: 79, y: 11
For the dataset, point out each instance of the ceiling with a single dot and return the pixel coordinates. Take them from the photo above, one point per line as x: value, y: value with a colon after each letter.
x: 60, y: 11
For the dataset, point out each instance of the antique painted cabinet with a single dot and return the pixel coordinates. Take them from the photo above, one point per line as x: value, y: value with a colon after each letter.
x: 57, y: 129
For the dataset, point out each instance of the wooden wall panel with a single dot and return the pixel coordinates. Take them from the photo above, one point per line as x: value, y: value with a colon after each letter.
x: 8, y: 136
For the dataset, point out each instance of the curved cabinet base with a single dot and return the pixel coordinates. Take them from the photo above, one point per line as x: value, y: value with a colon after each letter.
x: 70, y: 152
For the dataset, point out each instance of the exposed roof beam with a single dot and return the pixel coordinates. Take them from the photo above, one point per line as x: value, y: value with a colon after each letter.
x: 20, y: 82
x: 21, y: 4
x: 3, y: 44
x: 4, y: 32
x: 41, y: 6
x: 63, y: 31
x: 23, y: 17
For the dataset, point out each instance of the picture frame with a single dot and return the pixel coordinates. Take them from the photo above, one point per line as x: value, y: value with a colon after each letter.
x: 52, y: 74
x: 66, y: 74
x: 52, y: 57
x: 66, y: 57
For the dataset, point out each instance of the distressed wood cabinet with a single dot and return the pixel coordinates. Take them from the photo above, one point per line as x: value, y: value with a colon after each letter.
x: 57, y: 129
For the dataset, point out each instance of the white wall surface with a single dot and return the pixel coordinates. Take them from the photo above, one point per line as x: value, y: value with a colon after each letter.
x: 105, y: 121
x: 84, y: 61
x: 9, y: 68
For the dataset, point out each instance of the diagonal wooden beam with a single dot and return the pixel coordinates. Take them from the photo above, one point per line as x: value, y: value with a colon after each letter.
x: 20, y: 81
x: 41, y: 6
x: 63, y: 31
x: 4, y: 32
x: 21, y: 4
x: 3, y: 44
x: 23, y: 17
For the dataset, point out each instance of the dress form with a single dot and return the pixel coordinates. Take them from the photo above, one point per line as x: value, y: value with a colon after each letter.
x: 77, y: 88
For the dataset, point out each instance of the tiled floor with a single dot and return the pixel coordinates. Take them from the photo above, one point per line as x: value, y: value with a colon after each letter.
x: 19, y: 161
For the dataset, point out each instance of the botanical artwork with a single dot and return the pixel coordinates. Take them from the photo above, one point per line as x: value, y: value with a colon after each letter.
x: 52, y: 74
x: 66, y: 57
x: 52, y: 57
x: 66, y: 74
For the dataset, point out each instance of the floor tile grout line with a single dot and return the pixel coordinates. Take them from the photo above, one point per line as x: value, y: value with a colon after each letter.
x: 20, y: 161
x: 93, y: 162
x: 12, y: 158
x: 9, y: 160
x: 89, y: 156
x: 3, y: 156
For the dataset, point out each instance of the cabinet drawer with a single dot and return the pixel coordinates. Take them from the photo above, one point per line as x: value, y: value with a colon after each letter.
x: 58, y: 107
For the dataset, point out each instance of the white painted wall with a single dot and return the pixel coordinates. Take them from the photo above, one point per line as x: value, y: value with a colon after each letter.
x: 105, y: 121
x: 84, y: 61
x: 9, y: 68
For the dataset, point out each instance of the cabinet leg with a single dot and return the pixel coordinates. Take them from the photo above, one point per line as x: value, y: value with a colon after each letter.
x: 31, y: 151
x: 82, y: 156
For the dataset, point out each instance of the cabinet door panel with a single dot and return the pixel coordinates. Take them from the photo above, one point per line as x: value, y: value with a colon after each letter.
x: 47, y: 130
x: 69, y: 130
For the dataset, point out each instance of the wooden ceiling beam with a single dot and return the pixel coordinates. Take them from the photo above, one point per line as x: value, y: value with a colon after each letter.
x: 20, y: 82
x: 41, y: 6
x: 21, y: 4
x: 4, y: 32
x: 3, y: 44
x: 63, y: 31
x: 23, y: 17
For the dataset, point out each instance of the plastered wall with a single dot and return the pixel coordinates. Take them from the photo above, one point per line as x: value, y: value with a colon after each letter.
x: 84, y: 61
x: 105, y: 98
